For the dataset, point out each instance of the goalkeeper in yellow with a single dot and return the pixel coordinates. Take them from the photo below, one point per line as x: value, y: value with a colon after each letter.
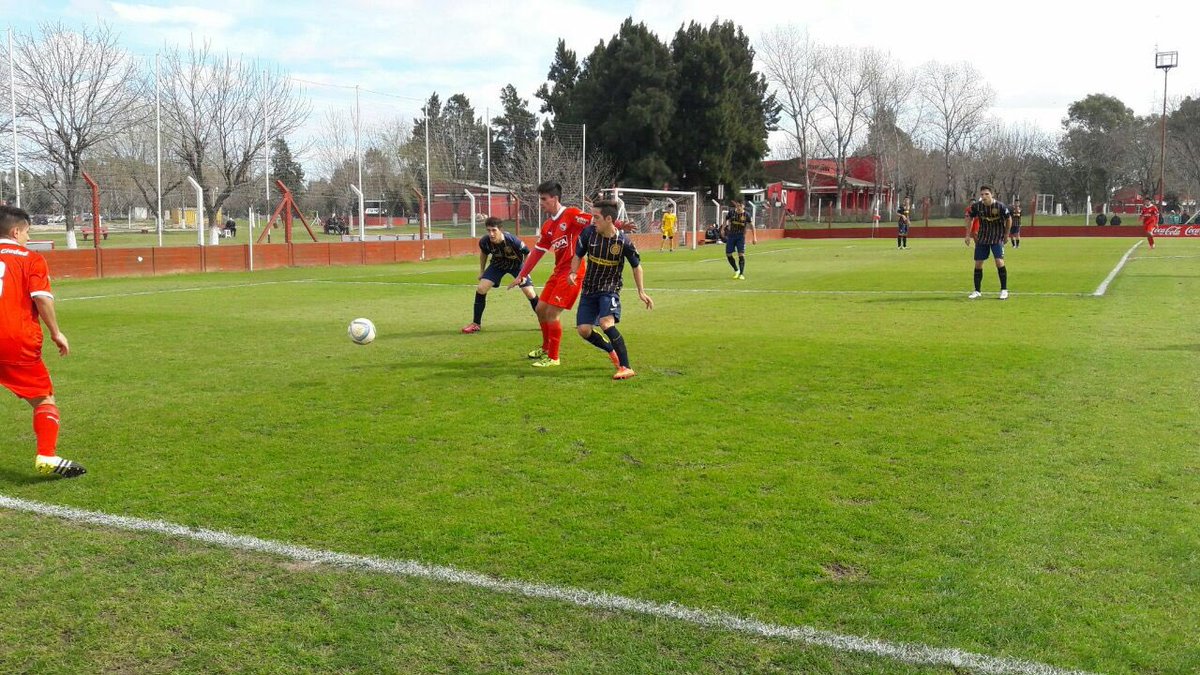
x: 668, y: 228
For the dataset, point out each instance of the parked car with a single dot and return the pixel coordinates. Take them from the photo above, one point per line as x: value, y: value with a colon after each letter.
x: 40, y: 220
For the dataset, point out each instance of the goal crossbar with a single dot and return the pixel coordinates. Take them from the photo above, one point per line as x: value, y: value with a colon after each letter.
x: 695, y: 215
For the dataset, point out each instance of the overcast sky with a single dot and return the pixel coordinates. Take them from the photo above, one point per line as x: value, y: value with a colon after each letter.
x: 1038, y: 56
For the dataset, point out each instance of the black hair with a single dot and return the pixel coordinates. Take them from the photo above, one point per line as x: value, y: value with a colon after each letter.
x: 11, y: 219
x: 552, y: 188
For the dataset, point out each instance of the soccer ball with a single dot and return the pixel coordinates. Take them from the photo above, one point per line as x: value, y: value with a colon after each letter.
x: 361, y: 331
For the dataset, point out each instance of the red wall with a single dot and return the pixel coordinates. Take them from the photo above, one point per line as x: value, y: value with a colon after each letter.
x: 88, y: 263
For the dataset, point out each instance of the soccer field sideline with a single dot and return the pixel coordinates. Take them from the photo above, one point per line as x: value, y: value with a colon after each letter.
x: 917, y: 654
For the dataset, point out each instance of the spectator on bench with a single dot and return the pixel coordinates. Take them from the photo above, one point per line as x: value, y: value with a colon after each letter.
x: 230, y: 229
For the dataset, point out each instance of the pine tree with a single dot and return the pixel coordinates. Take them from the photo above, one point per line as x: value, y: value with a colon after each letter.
x: 285, y: 168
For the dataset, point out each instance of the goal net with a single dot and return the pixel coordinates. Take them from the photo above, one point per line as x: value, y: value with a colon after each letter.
x: 641, y: 211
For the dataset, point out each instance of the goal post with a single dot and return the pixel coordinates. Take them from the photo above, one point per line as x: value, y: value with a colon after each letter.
x: 643, y: 209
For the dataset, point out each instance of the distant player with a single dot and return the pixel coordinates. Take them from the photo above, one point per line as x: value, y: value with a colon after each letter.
x: 559, y: 234
x: 1150, y: 219
x: 904, y: 219
x: 995, y: 222
x: 25, y: 297
x: 1015, y: 234
x: 668, y: 228
x: 506, y: 253
x: 605, y: 248
x: 737, y: 221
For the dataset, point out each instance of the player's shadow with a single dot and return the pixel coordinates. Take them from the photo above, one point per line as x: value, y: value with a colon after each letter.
x: 14, y: 478
x: 1176, y: 348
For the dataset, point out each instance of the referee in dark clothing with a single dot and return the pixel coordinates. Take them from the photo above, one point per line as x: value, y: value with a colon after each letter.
x: 995, y: 224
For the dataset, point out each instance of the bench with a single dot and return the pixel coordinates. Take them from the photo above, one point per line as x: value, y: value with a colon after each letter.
x: 87, y: 232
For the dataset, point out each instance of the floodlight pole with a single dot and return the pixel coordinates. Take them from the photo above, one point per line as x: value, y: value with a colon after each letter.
x: 12, y: 97
x: 362, y: 215
x: 1164, y: 61
x: 158, y: 219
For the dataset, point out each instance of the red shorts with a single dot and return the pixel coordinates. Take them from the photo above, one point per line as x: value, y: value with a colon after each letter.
x: 26, y: 380
x: 1150, y: 228
x: 559, y: 292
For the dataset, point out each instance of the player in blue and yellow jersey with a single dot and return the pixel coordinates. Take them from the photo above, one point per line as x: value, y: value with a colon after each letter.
x: 606, y: 250
x: 995, y: 224
x: 506, y: 254
x: 737, y: 221
x: 903, y: 220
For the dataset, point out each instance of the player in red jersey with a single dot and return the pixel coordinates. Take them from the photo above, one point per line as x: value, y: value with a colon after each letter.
x: 559, y: 234
x: 25, y: 298
x: 1150, y: 220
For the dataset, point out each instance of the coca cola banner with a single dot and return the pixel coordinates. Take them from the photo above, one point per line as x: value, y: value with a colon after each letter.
x: 1177, y: 231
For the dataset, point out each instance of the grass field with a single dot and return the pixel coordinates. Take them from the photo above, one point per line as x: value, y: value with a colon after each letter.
x: 842, y: 441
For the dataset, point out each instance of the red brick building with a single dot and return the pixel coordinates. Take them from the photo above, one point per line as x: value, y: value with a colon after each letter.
x: 858, y: 194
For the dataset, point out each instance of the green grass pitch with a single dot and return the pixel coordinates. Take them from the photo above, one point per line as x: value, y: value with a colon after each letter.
x: 841, y: 441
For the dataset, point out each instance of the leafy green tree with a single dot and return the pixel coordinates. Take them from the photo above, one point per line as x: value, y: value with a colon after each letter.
x: 723, y: 111
x: 517, y: 127
x: 626, y: 96
x: 1099, y: 131
x: 284, y: 167
x: 556, y: 95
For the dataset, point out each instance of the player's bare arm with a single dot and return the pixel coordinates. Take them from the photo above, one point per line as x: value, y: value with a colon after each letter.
x: 573, y: 277
x: 638, y: 278
x: 483, y: 258
x: 530, y: 262
x: 1007, y: 229
x: 45, y: 308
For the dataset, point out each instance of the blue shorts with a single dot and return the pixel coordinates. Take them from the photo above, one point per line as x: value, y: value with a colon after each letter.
x: 1016, y: 229
x: 982, y: 251
x: 495, y: 275
x: 902, y: 230
x: 592, y: 308
x: 735, y: 242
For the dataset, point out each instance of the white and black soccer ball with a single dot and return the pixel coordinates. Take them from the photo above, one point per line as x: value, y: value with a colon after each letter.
x: 361, y: 331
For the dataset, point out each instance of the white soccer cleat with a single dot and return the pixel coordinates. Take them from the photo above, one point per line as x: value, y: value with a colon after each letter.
x: 1004, y: 295
x: 974, y: 295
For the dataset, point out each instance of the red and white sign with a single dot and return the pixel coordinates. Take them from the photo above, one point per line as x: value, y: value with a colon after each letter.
x: 1177, y: 231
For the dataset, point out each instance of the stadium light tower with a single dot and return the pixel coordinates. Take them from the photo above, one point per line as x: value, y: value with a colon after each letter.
x: 1164, y: 61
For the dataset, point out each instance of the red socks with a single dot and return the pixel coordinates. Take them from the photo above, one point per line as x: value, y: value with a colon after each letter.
x: 45, y: 427
x: 1151, y: 238
x: 554, y: 338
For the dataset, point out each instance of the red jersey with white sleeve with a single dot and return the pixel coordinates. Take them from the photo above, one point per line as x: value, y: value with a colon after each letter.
x: 559, y: 234
x: 23, y: 276
x: 1150, y: 217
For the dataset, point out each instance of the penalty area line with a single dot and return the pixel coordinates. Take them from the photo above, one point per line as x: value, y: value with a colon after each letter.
x: 1103, y: 287
x: 914, y: 653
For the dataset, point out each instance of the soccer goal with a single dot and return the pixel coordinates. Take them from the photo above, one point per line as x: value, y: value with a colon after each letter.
x: 642, y: 210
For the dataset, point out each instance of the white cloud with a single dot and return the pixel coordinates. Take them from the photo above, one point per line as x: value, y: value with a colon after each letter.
x: 194, y: 17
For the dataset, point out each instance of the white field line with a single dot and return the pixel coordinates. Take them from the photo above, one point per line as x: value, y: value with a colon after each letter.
x: 759, y: 291
x: 897, y: 651
x: 1103, y: 287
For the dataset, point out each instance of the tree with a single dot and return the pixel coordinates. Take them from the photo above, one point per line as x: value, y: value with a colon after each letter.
x: 285, y: 168
x: 958, y: 100
x: 723, y: 111
x: 790, y: 61
x: 133, y: 154
x: 76, y: 89
x: 222, y: 112
x: 1183, y: 135
x: 626, y: 96
x: 845, y: 78
x: 1095, y: 144
x: 556, y: 95
x: 515, y: 127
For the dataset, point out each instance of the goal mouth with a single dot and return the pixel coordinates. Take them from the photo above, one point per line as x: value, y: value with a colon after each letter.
x: 641, y: 211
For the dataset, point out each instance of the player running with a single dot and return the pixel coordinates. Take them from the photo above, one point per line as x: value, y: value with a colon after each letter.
x: 904, y: 219
x: 995, y: 221
x: 668, y: 228
x: 25, y: 297
x: 736, y: 222
x: 559, y: 233
x: 1150, y: 219
x: 606, y: 248
x: 507, y: 253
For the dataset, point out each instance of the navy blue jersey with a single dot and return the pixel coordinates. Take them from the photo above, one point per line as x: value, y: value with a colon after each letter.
x: 737, y: 222
x: 605, y: 258
x: 903, y: 214
x: 508, y: 255
x: 993, y: 222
